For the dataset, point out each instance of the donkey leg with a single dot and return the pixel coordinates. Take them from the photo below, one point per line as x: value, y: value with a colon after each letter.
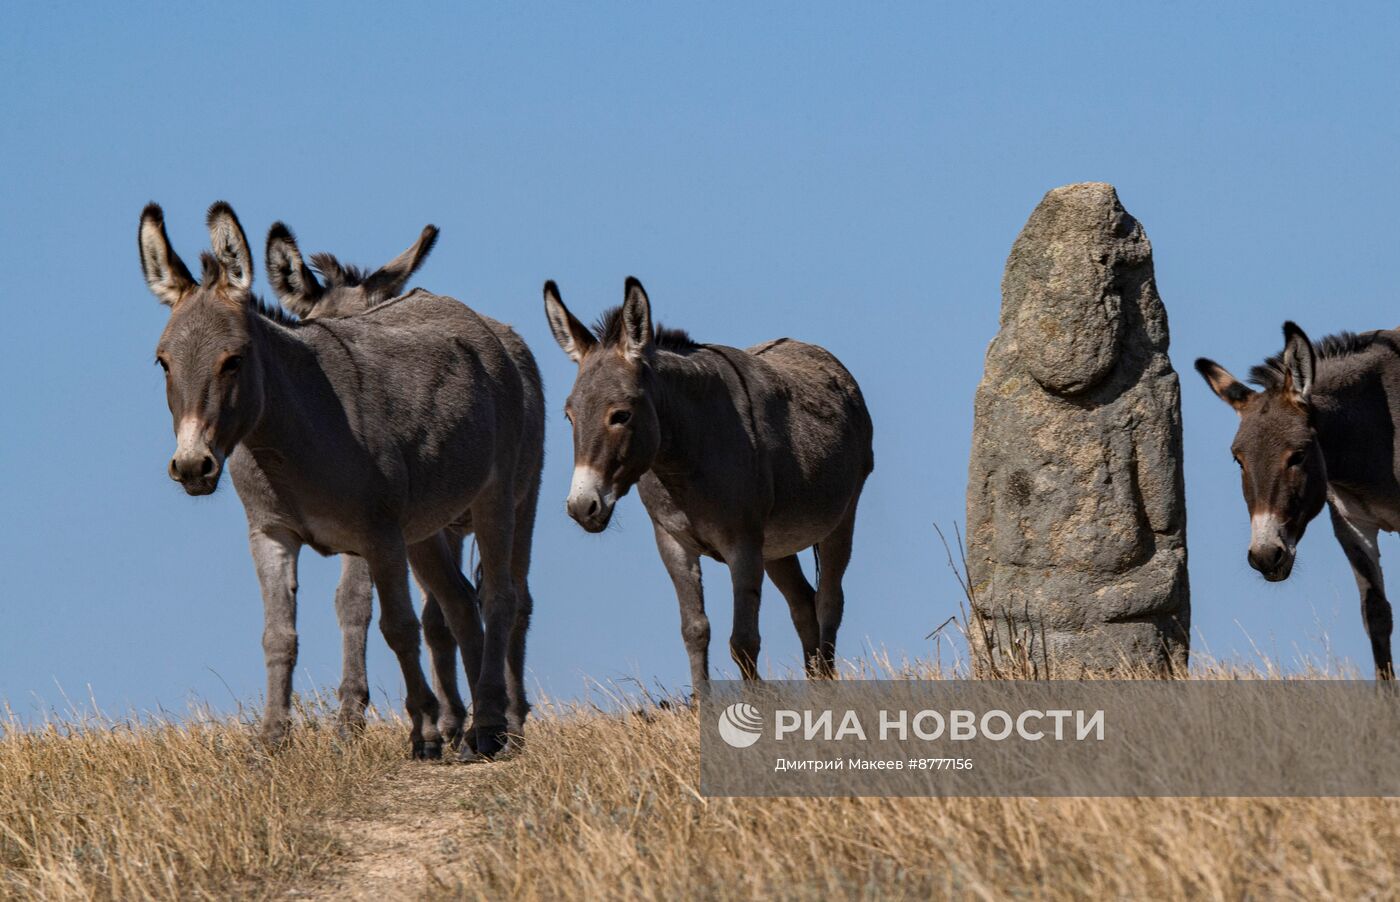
x: 493, y: 515
x: 275, y: 554
x: 833, y: 554
x: 517, y: 699
x: 1358, y: 540
x: 465, y: 619
x: 746, y: 574
x: 518, y: 703
x: 684, y: 569
x: 435, y: 562
x: 786, y: 574
x: 442, y: 654
x: 399, y: 625
x: 446, y: 634
x: 354, y: 606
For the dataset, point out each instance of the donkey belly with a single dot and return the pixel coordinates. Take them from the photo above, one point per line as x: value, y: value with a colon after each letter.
x: 784, y: 536
x: 1362, y: 507
x: 812, y: 495
x: 707, y: 529
x: 447, y: 500
x: 781, y: 537
x: 328, y: 535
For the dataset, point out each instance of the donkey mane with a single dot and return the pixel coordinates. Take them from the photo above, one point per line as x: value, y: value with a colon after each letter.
x: 608, y: 328
x: 274, y: 312
x: 1270, y: 373
x: 212, y: 270
x: 336, y: 273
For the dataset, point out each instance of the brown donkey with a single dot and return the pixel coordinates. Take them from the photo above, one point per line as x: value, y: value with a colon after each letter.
x: 747, y: 457
x: 349, y: 291
x: 370, y: 435
x: 1322, y: 432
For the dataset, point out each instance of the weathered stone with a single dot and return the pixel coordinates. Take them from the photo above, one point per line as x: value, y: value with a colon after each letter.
x: 1076, y: 515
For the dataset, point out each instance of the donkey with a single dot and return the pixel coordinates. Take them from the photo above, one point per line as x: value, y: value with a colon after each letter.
x: 747, y: 457
x: 1322, y: 431
x: 370, y: 435
x: 349, y: 291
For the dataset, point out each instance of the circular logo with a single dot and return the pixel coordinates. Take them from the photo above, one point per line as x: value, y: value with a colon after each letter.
x: 740, y: 725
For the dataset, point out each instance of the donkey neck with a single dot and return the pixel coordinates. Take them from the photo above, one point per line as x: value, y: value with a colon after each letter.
x: 1355, y: 422
x: 288, y: 369
x: 701, y: 396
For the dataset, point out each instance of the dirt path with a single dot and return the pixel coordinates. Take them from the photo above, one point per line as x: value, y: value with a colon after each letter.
x: 411, y: 823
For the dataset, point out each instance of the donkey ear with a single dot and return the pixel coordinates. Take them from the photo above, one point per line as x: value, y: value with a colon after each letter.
x: 1229, y: 389
x: 572, y: 335
x: 166, y: 274
x: 230, y: 246
x: 390, y: 279
x: 637, y: 335
x: 1299, y: 362
x: 292, y: 280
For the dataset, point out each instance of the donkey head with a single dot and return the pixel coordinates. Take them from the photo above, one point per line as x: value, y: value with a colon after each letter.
x: 1281, y: 464
x: 213, y: 384
x: 347, y: 289
x: 612, y: 406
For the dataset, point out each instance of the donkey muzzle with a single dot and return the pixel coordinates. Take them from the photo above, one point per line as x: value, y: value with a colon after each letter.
x: 591, y: 500
x: 1270, y: 551
x: 195, y: 465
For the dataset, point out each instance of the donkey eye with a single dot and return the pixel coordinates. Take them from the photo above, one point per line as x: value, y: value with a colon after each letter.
x: 1296, y: 458
x: 231, y: 364
x: 160, y: 362
x: 619, y: 417
x: 1239, y: 463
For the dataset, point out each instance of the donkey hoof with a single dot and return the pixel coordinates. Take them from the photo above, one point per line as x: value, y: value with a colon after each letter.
x: 489, y: 745
x: 348, y: 730
x: 452, y: 736
x: 275, y: 738
x: 427, y: 750
x: 492, y: 743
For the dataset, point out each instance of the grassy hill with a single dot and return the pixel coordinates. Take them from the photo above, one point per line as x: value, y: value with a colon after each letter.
x: 607, y: 805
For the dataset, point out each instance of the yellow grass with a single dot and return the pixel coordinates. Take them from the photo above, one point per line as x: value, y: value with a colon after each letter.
x: 607, y: 805
x: 127, y: 810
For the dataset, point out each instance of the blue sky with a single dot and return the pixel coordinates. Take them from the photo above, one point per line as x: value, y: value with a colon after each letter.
x: 848, y: 175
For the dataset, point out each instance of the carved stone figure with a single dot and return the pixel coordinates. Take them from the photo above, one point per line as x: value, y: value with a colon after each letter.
x: 1075, y: 503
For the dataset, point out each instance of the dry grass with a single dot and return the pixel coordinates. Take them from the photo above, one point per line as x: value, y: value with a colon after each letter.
x: 155, y: 809
x: 606, y: 805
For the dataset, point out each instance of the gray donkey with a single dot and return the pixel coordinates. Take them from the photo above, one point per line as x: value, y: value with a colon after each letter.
x: 370, y: 435
x: 747, y: 457
x: 349, y: 291
x: 1322, y: 432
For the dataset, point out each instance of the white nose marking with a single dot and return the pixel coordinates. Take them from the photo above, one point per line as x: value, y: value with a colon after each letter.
x: 189, y: 439
x: 1267, y: 529
x: 585, y: 481
x: 589, y: 482
x: 189, y: 435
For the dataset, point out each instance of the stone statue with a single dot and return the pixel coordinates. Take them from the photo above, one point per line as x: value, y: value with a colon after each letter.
x: 1076, y: 513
